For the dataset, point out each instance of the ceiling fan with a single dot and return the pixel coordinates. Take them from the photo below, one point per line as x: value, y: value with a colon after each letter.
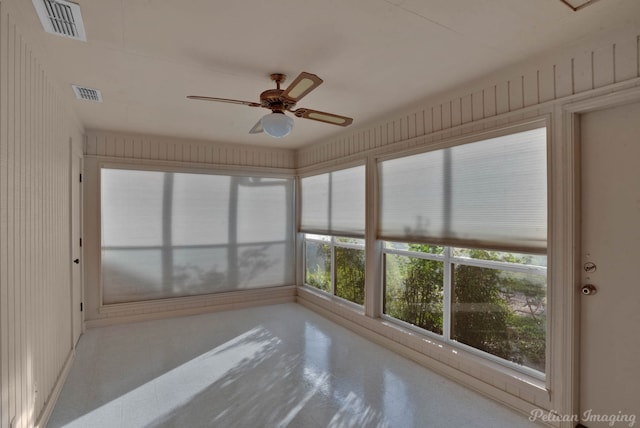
x: 278, y: 124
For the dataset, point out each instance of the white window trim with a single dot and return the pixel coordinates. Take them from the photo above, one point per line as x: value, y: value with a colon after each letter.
x: 333, y: 243
x: 168, y: 304
x: 448, y: 260
x: 376, y: 246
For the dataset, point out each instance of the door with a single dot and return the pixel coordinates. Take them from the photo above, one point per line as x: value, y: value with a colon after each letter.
x: 76, y: 250
x: 610, y: 318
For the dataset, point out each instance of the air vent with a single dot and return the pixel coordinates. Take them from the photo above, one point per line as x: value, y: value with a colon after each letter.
x: 61, y: 17
x: 88, y: 94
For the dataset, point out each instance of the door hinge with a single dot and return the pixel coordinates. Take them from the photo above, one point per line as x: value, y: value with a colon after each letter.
x: 81, y: 307
x: 80, y: 178
x: 81, y: 242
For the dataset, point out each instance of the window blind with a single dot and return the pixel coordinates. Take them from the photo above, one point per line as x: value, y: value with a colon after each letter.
x: 490, y: 194
x: 168, y: 234
x: 333, y: 203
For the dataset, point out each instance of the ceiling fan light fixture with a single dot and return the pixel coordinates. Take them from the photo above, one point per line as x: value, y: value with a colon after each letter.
x: 277, y: 124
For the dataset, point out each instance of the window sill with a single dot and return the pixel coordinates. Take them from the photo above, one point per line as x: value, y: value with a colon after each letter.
x: 190, y: 305
x: 334, y: 300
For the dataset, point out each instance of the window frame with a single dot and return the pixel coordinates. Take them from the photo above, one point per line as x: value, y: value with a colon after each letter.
x: 449, y: 260
x: 321, y: 171
x: 175, y: 167
x: 333, y: 244
x: 472, y: 137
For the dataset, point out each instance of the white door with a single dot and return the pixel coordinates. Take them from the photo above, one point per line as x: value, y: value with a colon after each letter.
x: 610, y: 319
x: 76, y: 250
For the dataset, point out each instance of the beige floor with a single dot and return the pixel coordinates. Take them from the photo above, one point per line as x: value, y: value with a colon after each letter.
x: 272, y: 366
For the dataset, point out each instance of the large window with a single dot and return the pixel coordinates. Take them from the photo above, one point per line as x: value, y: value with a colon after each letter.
x: 170, y: 234
x: 465, y: 231
x: 490, y: 301
x: 489, y: 194
x: 333, y: 219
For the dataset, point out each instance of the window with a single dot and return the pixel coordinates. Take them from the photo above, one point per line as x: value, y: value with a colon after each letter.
x: 333, y: 220
x: 335, y: 265
x: 491, y: 301
x: 465, y: 231
x: 414, y: 284
x: 171, y: 234
x: 333, y: 203
x: 488, y: 194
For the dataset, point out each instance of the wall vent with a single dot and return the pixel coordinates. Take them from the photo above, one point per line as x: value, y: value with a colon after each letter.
x: 61, y: 17
x: 88, y: 94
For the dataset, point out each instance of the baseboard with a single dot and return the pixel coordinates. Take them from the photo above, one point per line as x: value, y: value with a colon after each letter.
x: 47, y: 410
x: 224, y: 302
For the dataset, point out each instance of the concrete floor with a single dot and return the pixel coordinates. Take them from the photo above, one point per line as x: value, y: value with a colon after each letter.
x: 271, y: 366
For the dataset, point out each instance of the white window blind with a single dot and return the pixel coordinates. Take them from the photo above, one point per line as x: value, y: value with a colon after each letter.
x: 333, y: 203
x: 170, y: 234
x: 490, y: 193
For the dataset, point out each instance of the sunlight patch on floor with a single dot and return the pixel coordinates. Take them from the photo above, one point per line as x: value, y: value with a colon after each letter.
x: 180, y: 385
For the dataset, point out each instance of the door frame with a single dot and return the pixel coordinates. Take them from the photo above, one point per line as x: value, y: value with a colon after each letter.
x: 76, y: 155
x: 570, y: 114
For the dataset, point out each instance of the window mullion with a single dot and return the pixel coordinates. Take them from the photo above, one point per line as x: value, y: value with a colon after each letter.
x: 447, y: 298
x: 333, y: 265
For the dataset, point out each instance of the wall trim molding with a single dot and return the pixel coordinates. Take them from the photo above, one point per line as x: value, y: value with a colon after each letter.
x: 43, y: 418
x: 465, y: 129
x: 192, y: 305
x: 134, y: 146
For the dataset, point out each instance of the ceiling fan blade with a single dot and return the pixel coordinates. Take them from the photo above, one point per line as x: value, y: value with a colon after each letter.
x: 301, y: 86
x: 333, y: 119
x: 224, y: 100
x: 257, y: 128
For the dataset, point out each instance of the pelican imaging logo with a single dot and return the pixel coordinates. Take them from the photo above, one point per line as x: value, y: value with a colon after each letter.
x: 611, y: 419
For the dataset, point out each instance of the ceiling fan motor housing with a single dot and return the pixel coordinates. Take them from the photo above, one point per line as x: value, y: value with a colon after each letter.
x: 273, y: 99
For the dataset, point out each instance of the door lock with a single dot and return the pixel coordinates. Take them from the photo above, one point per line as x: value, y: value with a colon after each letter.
x: 588, y: 290
x: 76, y: 261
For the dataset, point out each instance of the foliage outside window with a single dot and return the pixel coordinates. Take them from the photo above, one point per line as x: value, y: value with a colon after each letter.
x: 497, y: 300
x: 335, y: 265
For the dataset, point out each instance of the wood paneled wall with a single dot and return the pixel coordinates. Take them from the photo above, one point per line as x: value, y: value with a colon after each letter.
x: 131, y: 146
x: 35, y: 294
x: 597, y: 63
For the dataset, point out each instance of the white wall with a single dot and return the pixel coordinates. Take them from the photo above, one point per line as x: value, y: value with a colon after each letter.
x: 35, y: 294
x: 35, y: 128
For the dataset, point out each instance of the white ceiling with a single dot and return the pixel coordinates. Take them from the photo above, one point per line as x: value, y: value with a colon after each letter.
x: 375, y: 56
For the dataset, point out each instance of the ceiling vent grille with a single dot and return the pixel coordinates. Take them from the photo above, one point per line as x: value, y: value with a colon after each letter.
x: 88, y: 94
x: 61, y: 17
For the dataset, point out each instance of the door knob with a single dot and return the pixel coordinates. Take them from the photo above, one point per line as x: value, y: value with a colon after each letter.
x: 588, y: 290
x: 76, y: 261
